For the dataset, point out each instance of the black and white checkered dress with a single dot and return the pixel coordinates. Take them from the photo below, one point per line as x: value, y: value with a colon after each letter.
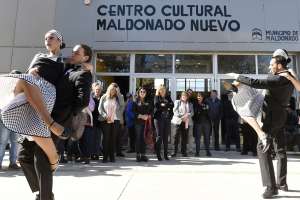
x: 16, y: 113
x: 248, y: 101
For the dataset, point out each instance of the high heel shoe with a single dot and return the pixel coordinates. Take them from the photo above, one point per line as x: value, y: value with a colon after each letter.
x: 54, y: 166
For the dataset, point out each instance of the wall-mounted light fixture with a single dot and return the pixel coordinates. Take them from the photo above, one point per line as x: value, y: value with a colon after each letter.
x: 87, y: 2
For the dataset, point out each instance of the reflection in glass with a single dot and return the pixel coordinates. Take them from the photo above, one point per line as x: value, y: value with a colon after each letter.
x: 263, y: 63
x: 241, y: 64
x: 112, y: 62
x: 146, y: 63
x: 193, y: 64
x: 197, y: 85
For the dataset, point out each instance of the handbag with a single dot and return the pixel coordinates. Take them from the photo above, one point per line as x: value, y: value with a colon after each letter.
x: 77, y: 124
x: 149, y: 134
x: 176, y: 120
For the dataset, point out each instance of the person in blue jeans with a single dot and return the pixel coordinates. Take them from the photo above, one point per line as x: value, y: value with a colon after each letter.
x: 6, y: 135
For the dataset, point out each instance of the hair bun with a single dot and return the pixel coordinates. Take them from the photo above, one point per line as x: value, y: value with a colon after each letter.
x: 63, y: 45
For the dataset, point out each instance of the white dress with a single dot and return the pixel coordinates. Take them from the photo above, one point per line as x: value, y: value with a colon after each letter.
x: 248, y: 101
x: 16, y: 113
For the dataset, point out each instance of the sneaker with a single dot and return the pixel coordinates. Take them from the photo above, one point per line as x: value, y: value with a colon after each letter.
x: 270, y: 192
x: 14, y: 166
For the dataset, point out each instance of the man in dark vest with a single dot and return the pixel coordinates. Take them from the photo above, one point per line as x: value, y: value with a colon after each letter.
x: 278, y: 92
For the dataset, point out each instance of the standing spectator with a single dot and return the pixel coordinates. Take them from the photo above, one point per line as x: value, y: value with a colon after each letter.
x: 119, y: 123
x: 110, y: 107
x: 231, y: 122
x: 6, y: 135
x: 202, y: 123
x: 129, y: 118
x: 163, y: 107
x: 190, y: 141
x: 215, y: 114
x: 97, y: 133
x: 142, y: 110
x: 183, y: 111
x: 87, y: 136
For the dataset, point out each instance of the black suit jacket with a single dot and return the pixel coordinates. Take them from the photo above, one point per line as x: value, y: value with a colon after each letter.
x: 279, y: 91
x: 72, y: 93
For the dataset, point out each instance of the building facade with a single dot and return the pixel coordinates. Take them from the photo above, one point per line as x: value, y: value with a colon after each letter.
x: 182, y: 44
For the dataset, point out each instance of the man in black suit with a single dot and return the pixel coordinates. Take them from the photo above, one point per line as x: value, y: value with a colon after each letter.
x: 72, y: 95
x: 278, y: 93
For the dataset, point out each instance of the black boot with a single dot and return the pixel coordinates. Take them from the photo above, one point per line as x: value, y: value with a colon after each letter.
x: 158, y: 157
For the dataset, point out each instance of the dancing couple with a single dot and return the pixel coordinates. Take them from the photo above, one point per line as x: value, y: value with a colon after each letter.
x: 263, y: 104
x: 52, y: 91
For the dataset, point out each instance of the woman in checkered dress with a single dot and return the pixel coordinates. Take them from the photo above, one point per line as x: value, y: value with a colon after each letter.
x: 28, y: 99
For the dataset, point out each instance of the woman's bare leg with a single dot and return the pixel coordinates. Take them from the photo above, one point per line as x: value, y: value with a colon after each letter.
x: 35, y: 99
x: 49, y: 148
x: 254, y: 124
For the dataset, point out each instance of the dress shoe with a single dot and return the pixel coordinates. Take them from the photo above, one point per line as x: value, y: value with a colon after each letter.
x: 184, y: 155
x: 14, y: 166
x: 244, y: 153
x: 159, y: 158
x: 173, y: 155
x: 197, y: 154
x: 166, y: 157
x: 208, y: 154
x: 112, y: 160
x: 138, y: 158
x: 227, y: 149
x: 144, y: 158
x: 270, y: 192
x: 86, y: 161
x: 217, y: 148
x: 254, y: 154
x: 131, y: 151
x: 120, y: 155
x: 284, y: 187
x: 37, y: 197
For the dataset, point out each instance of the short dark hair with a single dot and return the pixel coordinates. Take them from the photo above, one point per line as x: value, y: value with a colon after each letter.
x: 87, y: 51
x: 282, y: 60
x: 215, y: 91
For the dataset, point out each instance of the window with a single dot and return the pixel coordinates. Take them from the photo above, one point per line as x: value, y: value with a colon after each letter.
x: 241, y: 64
x: 113, y: 63
x: 195, y: 64
x: 147, y: 63
x: 263, y: 62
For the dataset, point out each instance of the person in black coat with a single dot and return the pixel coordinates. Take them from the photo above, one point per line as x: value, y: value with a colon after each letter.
x: 231, y: 118
x: 143, y: 111
x: 202, y: 123
x: 163, y: 112
x: 278, y: 92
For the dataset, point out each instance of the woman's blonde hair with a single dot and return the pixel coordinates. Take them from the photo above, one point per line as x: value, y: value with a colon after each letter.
x: 159, y: 89
x: 109, y: 88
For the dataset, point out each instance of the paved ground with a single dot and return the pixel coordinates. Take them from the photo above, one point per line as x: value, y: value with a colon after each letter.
x: 225, y: 176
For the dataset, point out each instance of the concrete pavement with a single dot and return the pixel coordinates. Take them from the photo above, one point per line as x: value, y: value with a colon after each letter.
x: 225, y: 176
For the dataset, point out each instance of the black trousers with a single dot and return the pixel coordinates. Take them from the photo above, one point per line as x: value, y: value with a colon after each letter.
x: 232, y: 131
x: 249, y: 138
x: 131, y: 134
x: 109, y: 140
x: 163, y: 129
x: 96, y: 141
x: 181, y: 132
x: 37, y: 170
x: 266, y: 164
x: 215, y: 128
x: 86, y: 142
x: 119, y: 134
x: 202, y: 128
